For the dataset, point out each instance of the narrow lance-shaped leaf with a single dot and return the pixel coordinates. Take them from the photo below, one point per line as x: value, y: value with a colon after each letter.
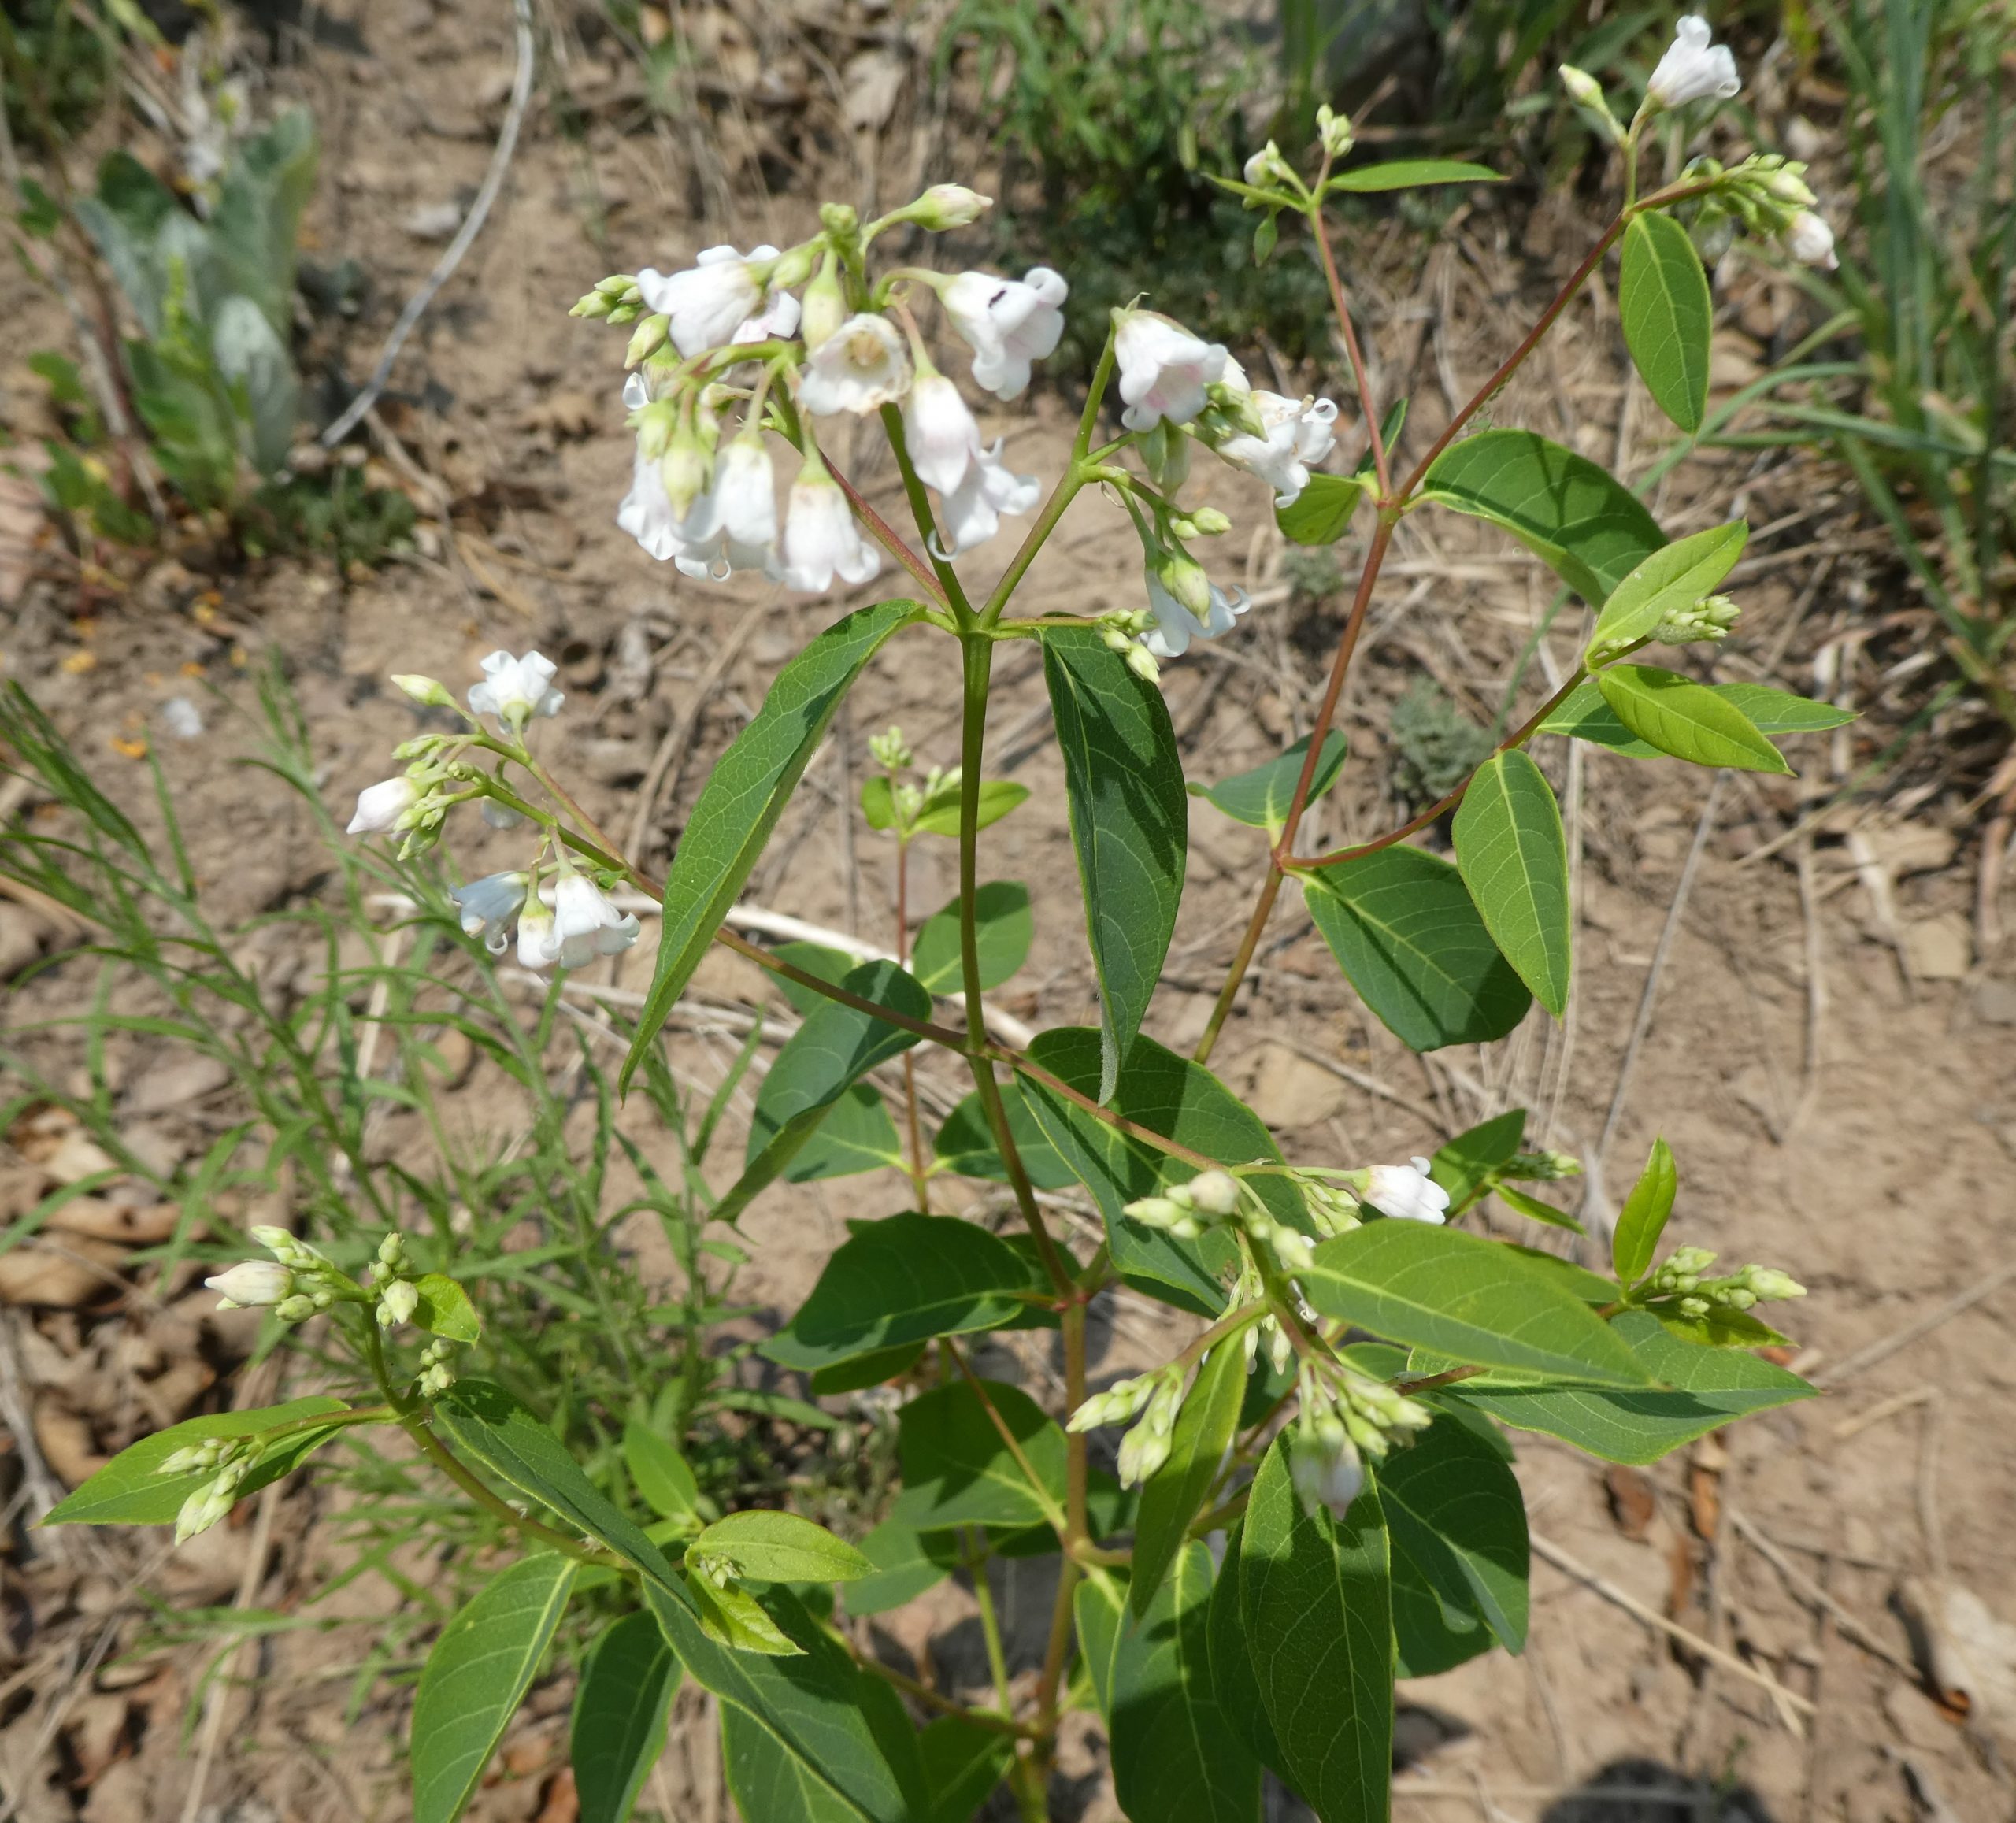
x: 1662, y: 298
x: 1174, y: 1494
x: 1411, y: 173
x: 661, y: 1473
x: 1685, y: 719
x: 476, y: 1677
x: 744, y: 796
x: 1514, y: 857
x: 620, y: 1709
x: 1585, y: 716
x: 1129, y: 825
x: 1643, y: 1219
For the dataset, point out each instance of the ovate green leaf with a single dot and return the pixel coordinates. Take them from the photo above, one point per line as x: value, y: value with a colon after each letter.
x: 1321, y: 513
x: 940, y: 815
x: 1686, y: 719
x: 780, y: 1548
x: 1407, y: 935
x: 1584, y: 716
x: 1672, y: 580
x: 1260, y: 798
x: 1643, y: 1219
x: 1513, y: 857
x: 1232, y: 1675
x: 965, y: 1142
x: 477, y: 1675
x: 1129, y: 825
x: 958, y: 1470
x: 660, y: 1472
x: 1174, y: 1495
x: 963, y: 1761
x: 744, y: 796
x: 856, y: 1134
x: 444, y: 1309
x: 1590, y: 528
x: 1662, y: 298
x: 1464, y: 1166
x: 1473, y: 1300
x: 1001, y: 926
x: 620, y: 1709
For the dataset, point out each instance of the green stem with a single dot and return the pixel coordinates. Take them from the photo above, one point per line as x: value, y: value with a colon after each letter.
x: 1367, y: 404
x: 949, y: 588
x: 989, y: 1626
x: 1052, y: 1514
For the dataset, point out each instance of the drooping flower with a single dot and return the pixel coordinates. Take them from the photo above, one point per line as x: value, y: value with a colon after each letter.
x: 972, y: 510
x: 1164, y: 370
x: 380, y: 806
x: 535, y: 944
x: 1325, y: 1469
x: 515, y: 690
x: 1299, y: 433
x: 1693, y: 69
x: 733, y: 524
x: 820, y: 537
x: 707, y: 304
x: 777, y: 320
x: 860, y: 368
x: 646, y: 512
x: 1176, y: 626
x: 586, y: 924
x: 1810, y: 241
x: 1008, y: 323
x: 943, y: 439
x: 252, y: 1285
x: 487, y: 905
x: 1407, y: 1192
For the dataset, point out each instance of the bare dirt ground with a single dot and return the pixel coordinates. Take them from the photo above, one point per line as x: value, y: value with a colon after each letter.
x: 1785, y: 987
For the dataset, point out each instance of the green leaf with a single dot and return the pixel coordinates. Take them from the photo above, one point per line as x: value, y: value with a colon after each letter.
x: 1407, y: 936
x: 965, y: 1142
x: 902, y: 1562
x: 1232, y: 1675
x: 940, y: 814
x: 1672, y: 579
x: 731, y: 1616
x: 1464, y: 1165
x: 1513, y: 855
x: 833, y: 1049
x: 1315, y: 1595
x: 811, y: 1736
x: 958, y: 1471
x: 1643, y: 1219
x: 1590, y: 528
x: 1321, y: 513
x: 1129, y: 825
x: 1585, y: 716
x: 1722, y: 1328
x: 863, y: 1370
x: 1474, y: 1300
x: 444, y: 1309
x: 1182, y: 1100
x: 829, y: 964
x: 1260, y: 798
x: 1458, y: 1522
x: 963, y: 1761
x: 1001, y: 926
x: 780, y: 1548
x: 1662, y: 299
x: 1699, y: 1389
x: 1174, y: 1495
x: 1410, y: 173
x: 1266, y: 235
x: 1390, y: 428
x: 1098, y: 1605
x: 620, y: 1709
x: 1686, y: 719
x: 904, y: 1280
x: 130, y: 1490
x: 744, y: 798
x: 484, y: 1422
x: 856, y: 1134
x: 1531, y: 1207
x: 660, y: 1472
x: 878, y: 801
x: 477, y: 1675
x: 1175, y: 1759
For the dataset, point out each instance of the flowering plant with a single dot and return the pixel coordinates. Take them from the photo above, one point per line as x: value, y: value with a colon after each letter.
x: 1314, y: 1493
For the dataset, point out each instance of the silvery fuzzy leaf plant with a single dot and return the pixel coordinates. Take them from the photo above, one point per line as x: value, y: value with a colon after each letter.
x: 1314, y: 1493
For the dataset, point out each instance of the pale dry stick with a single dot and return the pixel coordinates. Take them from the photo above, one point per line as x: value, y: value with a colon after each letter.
x: 1596, y: 1201
x: 1886, y: 1408
x: 444, y: 268
x: 1805, y: 1589
x: 1638, y: 1610
x: 662, y: 774
x: 1876, y: 882
x: 44, y: 1489
x: 219, y: 1693
x: 1864, y: 1359
x: 1928, y: 1491
x: 1816, y: 984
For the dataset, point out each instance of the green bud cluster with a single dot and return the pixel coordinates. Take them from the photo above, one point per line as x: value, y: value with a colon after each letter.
x: 615, y: 299
x: 1333, y: 130
x: 891, y: 751
x: 1681, y: 1279
x: 1762, y: 194
x: 1157, y: 1398
x: 316, y: 1284
x: 211, y: 1452
x: 1542, y: 1167
x: 435, y: 1375
x: 1330, y: 1206
x: 1709, y: 619
x: 209, y: 1503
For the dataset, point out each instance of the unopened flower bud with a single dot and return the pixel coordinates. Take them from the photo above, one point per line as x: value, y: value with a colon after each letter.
x: 594, y: 305
x: 1711, y: 619
x: 1267, y: 169
x: 204, y: 1508
x: 1326, y: 1469
x: 647, y: 339
x: 424, y: 690
x: 1141, y: 662
x: 1214, y: 1192
x: 397, y: 1303
x: 1810, y: 241
x: 1788, y: 185
x: 1154, y: 1211
x: 1583, y: 88
x: 825, y: 307
x: 1770, y: 1284
x: 1184, y: 577
x: 252, y: 1284
x: 891, y: 751
x: 300, y: 1307
x: 945, y: 205
x: 1334, y: 130
x: 1209, y: 522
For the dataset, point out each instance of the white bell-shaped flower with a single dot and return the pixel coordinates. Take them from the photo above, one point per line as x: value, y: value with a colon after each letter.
x: 943, y: 439
x: 1008, y: 323
x: 733, y: 524
x: 1164, y: 370
x: 705, y: 304
x: 1176, y: 626
x: 1810, y: 241
x: 380, y: 806
x: 1693, y: 69
x: 515, y: 690
x: 972, y: 510
x: 820, y: 537
x: 1299, y: 433
x: 1407, y: 1192
x: 860, y: 368
x: 646, y: 512
x: 1325, y: 1470
x: 485, y: 906
x: 586, y: 924
x: 535, y: 945
x: 776, y: 321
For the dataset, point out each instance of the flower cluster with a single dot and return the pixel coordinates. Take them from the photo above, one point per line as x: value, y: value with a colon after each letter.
x: 1345, y: 1416
x: 730, y: 337
x: 561, y: 915
x: 295, y: 1284
x: 1157, y: 1397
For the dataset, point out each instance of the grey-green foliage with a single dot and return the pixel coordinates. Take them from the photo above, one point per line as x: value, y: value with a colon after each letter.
x: 1435, y: 745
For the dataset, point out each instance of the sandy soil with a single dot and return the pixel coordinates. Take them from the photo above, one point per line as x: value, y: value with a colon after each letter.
x: 1819, y: 1044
